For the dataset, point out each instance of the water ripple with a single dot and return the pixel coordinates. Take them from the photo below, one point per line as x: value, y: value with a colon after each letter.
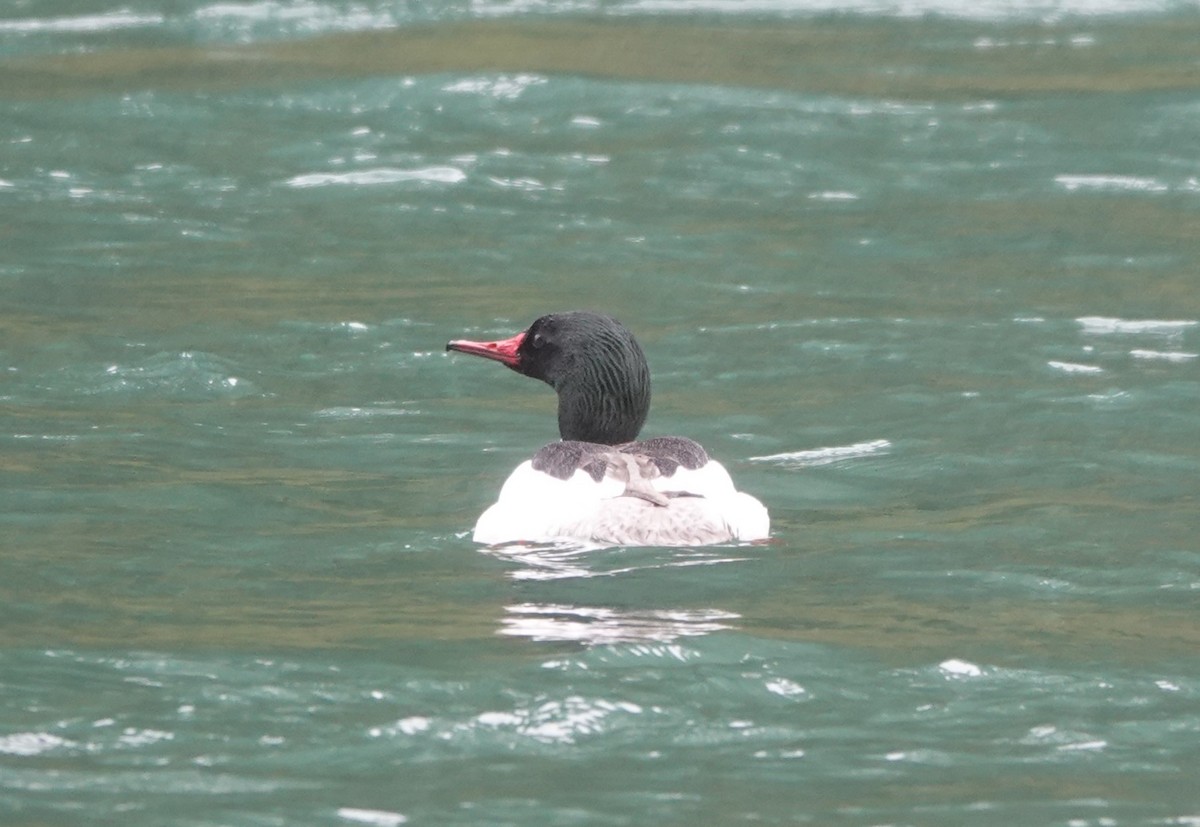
x: 1103, y: 325
x: 1112, y: 183
x: 601, y: 625
x: 827, y: 456
x: 506, y: 87
x: 81, y: 23
x: 31, y: 743
x: 573, y: 560
x: 384, y: 175
x: 1075, y: 367
x: 379, y: 818
x: 1163, y: 356
x: 185, y: 374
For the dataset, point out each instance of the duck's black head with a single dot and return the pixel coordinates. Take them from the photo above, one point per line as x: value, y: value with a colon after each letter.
x: 594, y: 365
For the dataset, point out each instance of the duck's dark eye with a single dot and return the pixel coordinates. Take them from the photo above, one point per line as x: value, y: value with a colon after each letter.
x: 538, y: 340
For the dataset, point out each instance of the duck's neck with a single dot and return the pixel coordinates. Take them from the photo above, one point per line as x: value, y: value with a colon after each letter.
x: 605, y: 401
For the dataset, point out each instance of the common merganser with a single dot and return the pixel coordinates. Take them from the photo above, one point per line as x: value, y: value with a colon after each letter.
x: 597, y: 485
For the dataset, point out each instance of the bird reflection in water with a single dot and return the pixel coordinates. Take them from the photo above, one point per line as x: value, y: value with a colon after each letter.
x: 600, y: 625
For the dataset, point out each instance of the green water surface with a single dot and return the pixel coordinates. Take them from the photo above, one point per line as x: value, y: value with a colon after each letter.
x: 927, y: 286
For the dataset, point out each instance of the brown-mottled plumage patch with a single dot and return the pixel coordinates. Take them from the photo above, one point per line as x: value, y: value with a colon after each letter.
x: 562, y: 459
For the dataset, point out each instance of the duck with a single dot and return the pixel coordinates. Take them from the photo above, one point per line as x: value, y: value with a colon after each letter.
x: 599, y: 484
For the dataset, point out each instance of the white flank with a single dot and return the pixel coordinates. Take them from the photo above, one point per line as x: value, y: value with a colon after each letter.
x: 536, y: 508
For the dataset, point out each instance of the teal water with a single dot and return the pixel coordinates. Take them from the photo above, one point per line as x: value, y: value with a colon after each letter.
x: 923, y: 276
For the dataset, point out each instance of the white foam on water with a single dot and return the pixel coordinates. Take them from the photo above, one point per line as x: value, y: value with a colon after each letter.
x: 828, y: 455
x: 383, y: 175
x: 1075, y: 367
x: 1103, y: 325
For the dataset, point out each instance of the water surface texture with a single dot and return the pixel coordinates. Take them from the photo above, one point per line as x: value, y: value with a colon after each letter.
x: 922, y: 274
